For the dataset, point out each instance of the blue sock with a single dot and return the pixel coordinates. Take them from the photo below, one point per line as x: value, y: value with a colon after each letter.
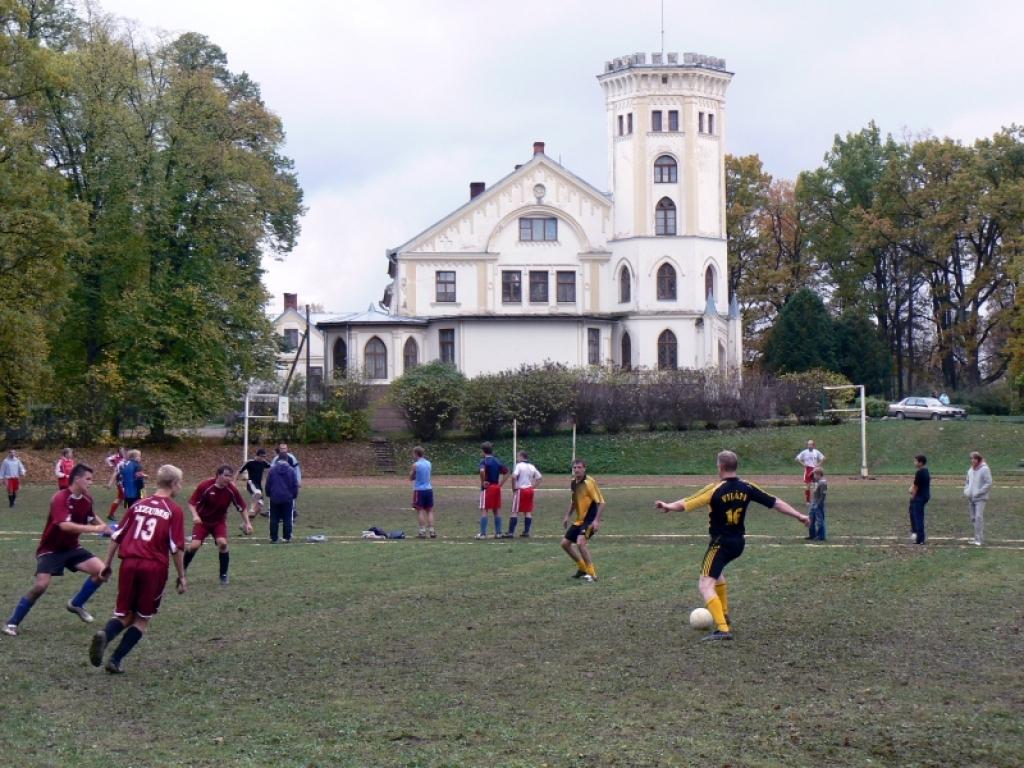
x: 22, y: 609
x: 512, y: 521
x: 132, y: 635
x: 87, y: 590
x: 497, y: 525
x: 528, y: 524
x: 483, y: 525
x: 113, y: 629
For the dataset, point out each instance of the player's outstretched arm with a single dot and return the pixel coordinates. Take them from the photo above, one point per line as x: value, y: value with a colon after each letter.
x: 69, y: 527
x: 786, y: 509
x: 670, y: 506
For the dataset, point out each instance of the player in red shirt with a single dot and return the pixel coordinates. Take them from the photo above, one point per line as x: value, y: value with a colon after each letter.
x: 70, y: 516
x: 62, y: 469
x: 209, y: 504
x: 153, y: 530
x: 114, y: 461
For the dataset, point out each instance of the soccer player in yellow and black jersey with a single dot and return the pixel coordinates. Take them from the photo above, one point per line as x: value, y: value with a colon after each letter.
x: 728, y: 499
x: 586, y: 504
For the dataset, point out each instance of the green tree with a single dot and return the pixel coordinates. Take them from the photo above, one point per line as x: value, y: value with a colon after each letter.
x: 429, y: 397
x: 862, y: 355
x: 802, y: 338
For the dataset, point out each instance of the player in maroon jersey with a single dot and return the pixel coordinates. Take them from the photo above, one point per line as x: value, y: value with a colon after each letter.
x: 152, y: 532
x: 114, y: 461
x: 209, y: 504
x: 70, y: 516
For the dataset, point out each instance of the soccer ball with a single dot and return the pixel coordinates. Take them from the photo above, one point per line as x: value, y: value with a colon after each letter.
x: 700, y: 618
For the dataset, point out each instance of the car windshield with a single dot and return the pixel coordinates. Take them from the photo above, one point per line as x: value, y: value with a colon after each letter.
x: 931, y: 402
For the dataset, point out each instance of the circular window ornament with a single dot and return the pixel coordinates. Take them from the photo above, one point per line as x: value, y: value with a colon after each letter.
x: 539, y: 191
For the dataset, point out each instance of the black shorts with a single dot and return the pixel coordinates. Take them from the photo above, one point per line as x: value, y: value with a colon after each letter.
x: 576, y: 530
x: 54, y: 563
x: 721, y: 551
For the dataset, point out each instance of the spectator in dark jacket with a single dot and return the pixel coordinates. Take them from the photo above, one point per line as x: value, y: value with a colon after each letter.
x: 282, y: 488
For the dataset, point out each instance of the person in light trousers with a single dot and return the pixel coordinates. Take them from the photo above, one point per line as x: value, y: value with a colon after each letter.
x: 282, y: 488
x: 979, y: 482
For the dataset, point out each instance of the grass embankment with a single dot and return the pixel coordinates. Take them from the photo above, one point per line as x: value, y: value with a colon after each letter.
x: 892, y: 446
x: 863, y: 651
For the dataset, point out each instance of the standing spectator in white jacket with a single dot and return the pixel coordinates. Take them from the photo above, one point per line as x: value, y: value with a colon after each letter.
x: 979, y: 482
x: 11, y: 472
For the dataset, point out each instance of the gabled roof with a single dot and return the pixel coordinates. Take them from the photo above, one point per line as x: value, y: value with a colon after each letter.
x: 538, y: 159
x: 372, y: 316
x: 314, y: 317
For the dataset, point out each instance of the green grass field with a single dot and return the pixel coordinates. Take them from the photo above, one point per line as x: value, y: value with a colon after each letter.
x: 892, y: 446
x: 861, y: 651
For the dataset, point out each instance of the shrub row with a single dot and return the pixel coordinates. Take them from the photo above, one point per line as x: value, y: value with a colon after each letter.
x: 542, y: 398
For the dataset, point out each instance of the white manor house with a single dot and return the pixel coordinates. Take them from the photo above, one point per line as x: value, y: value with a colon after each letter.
x: 543, y: 266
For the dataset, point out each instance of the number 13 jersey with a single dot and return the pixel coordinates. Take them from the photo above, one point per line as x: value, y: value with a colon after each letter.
x: 153, y: 529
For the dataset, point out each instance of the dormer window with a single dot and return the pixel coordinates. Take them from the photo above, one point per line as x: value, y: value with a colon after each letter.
x: 532, y: 230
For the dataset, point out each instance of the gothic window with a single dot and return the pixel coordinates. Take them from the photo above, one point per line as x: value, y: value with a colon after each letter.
x: 665, y: 217
x: 709, y: 282
x: 375, y: 362
x: 665, y: 170
x: 667, y: 351
x: 410, y: 354
x: 624, y: 284
x: 666, y: 283
x: 340, y: 358
x: 627, y: 353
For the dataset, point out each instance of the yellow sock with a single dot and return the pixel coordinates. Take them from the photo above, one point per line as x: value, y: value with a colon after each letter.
x: 715, y: 606
x: 582, y: 565
x: 722, y: 590
x: 592, y: 570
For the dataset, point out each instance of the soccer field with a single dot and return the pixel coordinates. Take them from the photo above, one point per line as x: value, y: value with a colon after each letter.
x: 455, y: 652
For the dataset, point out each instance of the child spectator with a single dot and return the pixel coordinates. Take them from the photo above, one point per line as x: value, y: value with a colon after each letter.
x: 819, y: 489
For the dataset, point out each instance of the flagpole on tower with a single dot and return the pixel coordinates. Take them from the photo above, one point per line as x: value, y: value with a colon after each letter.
x: 662, y: 27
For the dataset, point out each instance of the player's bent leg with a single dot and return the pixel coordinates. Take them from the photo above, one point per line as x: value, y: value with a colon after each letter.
x: 39, y: 586
x: 76, y: 605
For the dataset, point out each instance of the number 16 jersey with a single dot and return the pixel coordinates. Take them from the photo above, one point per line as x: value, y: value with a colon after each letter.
x: 153, y: 529
x: 728, y: 500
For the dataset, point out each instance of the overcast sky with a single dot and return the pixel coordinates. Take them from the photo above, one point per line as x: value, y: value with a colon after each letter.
x: 393, y: 106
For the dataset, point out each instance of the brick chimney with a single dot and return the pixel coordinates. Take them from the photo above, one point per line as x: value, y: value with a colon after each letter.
x: 538, y: 147
x: 476, y: 188
x: 291, y: 301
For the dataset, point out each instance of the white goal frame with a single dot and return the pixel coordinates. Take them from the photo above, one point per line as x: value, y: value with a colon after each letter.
x: 863, y: 424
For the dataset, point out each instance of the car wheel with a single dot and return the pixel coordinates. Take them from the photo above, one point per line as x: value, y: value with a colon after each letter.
x: 900, y: 416
x: 936, y: 417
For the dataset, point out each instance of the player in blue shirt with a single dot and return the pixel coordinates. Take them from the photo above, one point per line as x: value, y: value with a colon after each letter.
x: 422, y: 493
x: 493, y: 475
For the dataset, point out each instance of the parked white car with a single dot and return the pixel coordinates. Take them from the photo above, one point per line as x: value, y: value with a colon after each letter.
x: 925, y: 408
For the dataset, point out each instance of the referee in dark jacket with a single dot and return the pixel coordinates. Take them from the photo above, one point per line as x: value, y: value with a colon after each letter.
x: 282, y: 489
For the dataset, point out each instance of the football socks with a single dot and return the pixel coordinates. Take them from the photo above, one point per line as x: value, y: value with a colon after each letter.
x: 528, y: 524
x: 483, y: 524
x: 722, y: 590
x: 715, y: 606
x: 87, y: 590
x: 224, y: 558
x: 113, y: 629
x: 21, y: 610
x: 132, y: 635
x: 512, y: 522
x: 189, y: 554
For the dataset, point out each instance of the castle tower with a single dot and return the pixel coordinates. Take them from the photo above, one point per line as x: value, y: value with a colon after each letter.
x: 666, y: 164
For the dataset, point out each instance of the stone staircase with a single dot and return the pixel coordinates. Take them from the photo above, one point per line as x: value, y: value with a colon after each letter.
x: 384, y: 455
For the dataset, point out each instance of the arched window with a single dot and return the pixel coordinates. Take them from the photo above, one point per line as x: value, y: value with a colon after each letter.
x: 666, y: 283
x: 375, y: 359
x: 667, y: 351
x: 340, y: 358
x: 722, y: 361
x: 410, y: 354
x: 709, y: 282
x: 665, y: 217
x: 624, y: 284
x: 665, y: 170
x: 627, y: 353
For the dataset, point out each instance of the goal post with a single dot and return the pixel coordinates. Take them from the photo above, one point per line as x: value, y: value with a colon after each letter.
x: 863, y: 422
x: 271, y: 401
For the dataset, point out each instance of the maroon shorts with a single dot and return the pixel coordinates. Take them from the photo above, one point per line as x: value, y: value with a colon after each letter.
x: 490, y: 497
x: 218, y: 529
x: 13, y: 484
x: 140, y: 586
x: 808, y: 474
x: 522, y: 501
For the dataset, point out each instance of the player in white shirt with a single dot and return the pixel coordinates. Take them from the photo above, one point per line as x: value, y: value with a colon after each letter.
x: 525, y: 477
x: 809, y: 458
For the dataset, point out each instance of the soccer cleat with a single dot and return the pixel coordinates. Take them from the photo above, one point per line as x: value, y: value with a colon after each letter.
x: 717, y: 635
x: 498, y: 536
x: 80, y: 612
x: 97, y: 648
x: 11, y: 629
x: 224, y: 580
x: 421, y: 535
x: 524, y: 535
x: 114, y: 668
x: 580, y: 574
x: 588, y: 578
x: 975, y: 542
x: 480, y: 536
x: 433, y: 533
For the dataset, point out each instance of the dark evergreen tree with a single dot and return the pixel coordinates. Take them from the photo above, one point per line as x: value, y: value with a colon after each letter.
x: 803, y: 338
